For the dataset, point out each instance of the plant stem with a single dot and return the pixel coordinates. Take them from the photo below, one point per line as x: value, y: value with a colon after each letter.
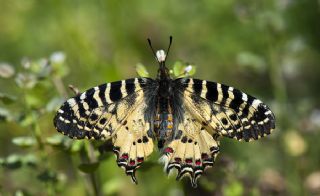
x: 58, y: 83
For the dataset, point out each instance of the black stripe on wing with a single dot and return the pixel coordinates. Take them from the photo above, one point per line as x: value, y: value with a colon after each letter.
x: 84, y: 116
x: 241, y: 116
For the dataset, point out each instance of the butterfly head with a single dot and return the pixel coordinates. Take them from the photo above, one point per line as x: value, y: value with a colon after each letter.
x: 161, y: 56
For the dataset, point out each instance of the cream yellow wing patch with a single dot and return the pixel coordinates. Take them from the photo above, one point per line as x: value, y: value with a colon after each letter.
x: 133, y: 140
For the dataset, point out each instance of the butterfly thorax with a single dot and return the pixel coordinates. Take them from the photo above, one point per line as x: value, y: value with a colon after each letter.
x: 163, y: 121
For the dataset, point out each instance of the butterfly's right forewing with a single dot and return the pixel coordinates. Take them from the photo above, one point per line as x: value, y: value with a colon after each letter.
x: 99, y: 111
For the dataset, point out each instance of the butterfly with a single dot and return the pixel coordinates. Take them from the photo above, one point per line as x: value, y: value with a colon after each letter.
x: 183, y: 117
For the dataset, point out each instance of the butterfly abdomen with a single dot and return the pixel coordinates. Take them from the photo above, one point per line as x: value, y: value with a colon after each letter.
x: 163, y: 121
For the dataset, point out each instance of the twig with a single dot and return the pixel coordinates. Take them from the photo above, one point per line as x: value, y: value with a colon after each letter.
x: 59, y: 86
x: 74, y: 89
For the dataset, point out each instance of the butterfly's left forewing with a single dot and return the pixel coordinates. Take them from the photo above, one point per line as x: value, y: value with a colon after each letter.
x: 226, y: 110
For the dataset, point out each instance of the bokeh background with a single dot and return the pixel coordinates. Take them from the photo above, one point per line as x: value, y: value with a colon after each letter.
x: 267, y: 48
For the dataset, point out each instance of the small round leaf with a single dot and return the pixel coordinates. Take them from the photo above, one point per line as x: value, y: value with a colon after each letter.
x: 7, y: 99
x: 24, y: 141
x: 141, y: 70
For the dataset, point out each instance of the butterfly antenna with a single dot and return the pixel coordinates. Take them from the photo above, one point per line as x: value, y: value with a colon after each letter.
x: 170, y: 42
x: 150, y: 44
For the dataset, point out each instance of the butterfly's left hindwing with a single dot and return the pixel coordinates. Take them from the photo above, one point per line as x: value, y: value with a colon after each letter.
x: 113, y: 110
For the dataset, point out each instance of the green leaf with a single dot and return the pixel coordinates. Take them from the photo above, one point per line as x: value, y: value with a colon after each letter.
x: 47, y: 176
x: 88, y: 167
x: 178, y: 69
x: 13, y: 162
x: 26, y: 120
x: 5, y: 115
x: 7, y: 99
x: 35, y: 66
x: 56, y: 140
x: 30, y: 160
x: 76, y: 146
x: 33, y: 99
x: 24, y: 141
x: 183, y: 70
x: 141, y: 70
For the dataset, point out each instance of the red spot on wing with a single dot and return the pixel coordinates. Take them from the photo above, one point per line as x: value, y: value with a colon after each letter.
x: 140, y: 159
x: 168, y: 150
x: 189, y: 161
x: 125, y: 156
x: 132, y: 162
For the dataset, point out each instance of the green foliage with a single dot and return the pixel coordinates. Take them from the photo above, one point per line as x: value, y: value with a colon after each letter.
x: 88, y: 167
x: 233, y: 189
x: 24, y: 141
x: 269, y: 49
x: 183, y: 70
x: 7, y: 99
x: 141, y: 70
x: 178, y: 70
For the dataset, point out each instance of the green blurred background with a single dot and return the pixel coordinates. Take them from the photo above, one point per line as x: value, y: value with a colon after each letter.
x: 267, y: 48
